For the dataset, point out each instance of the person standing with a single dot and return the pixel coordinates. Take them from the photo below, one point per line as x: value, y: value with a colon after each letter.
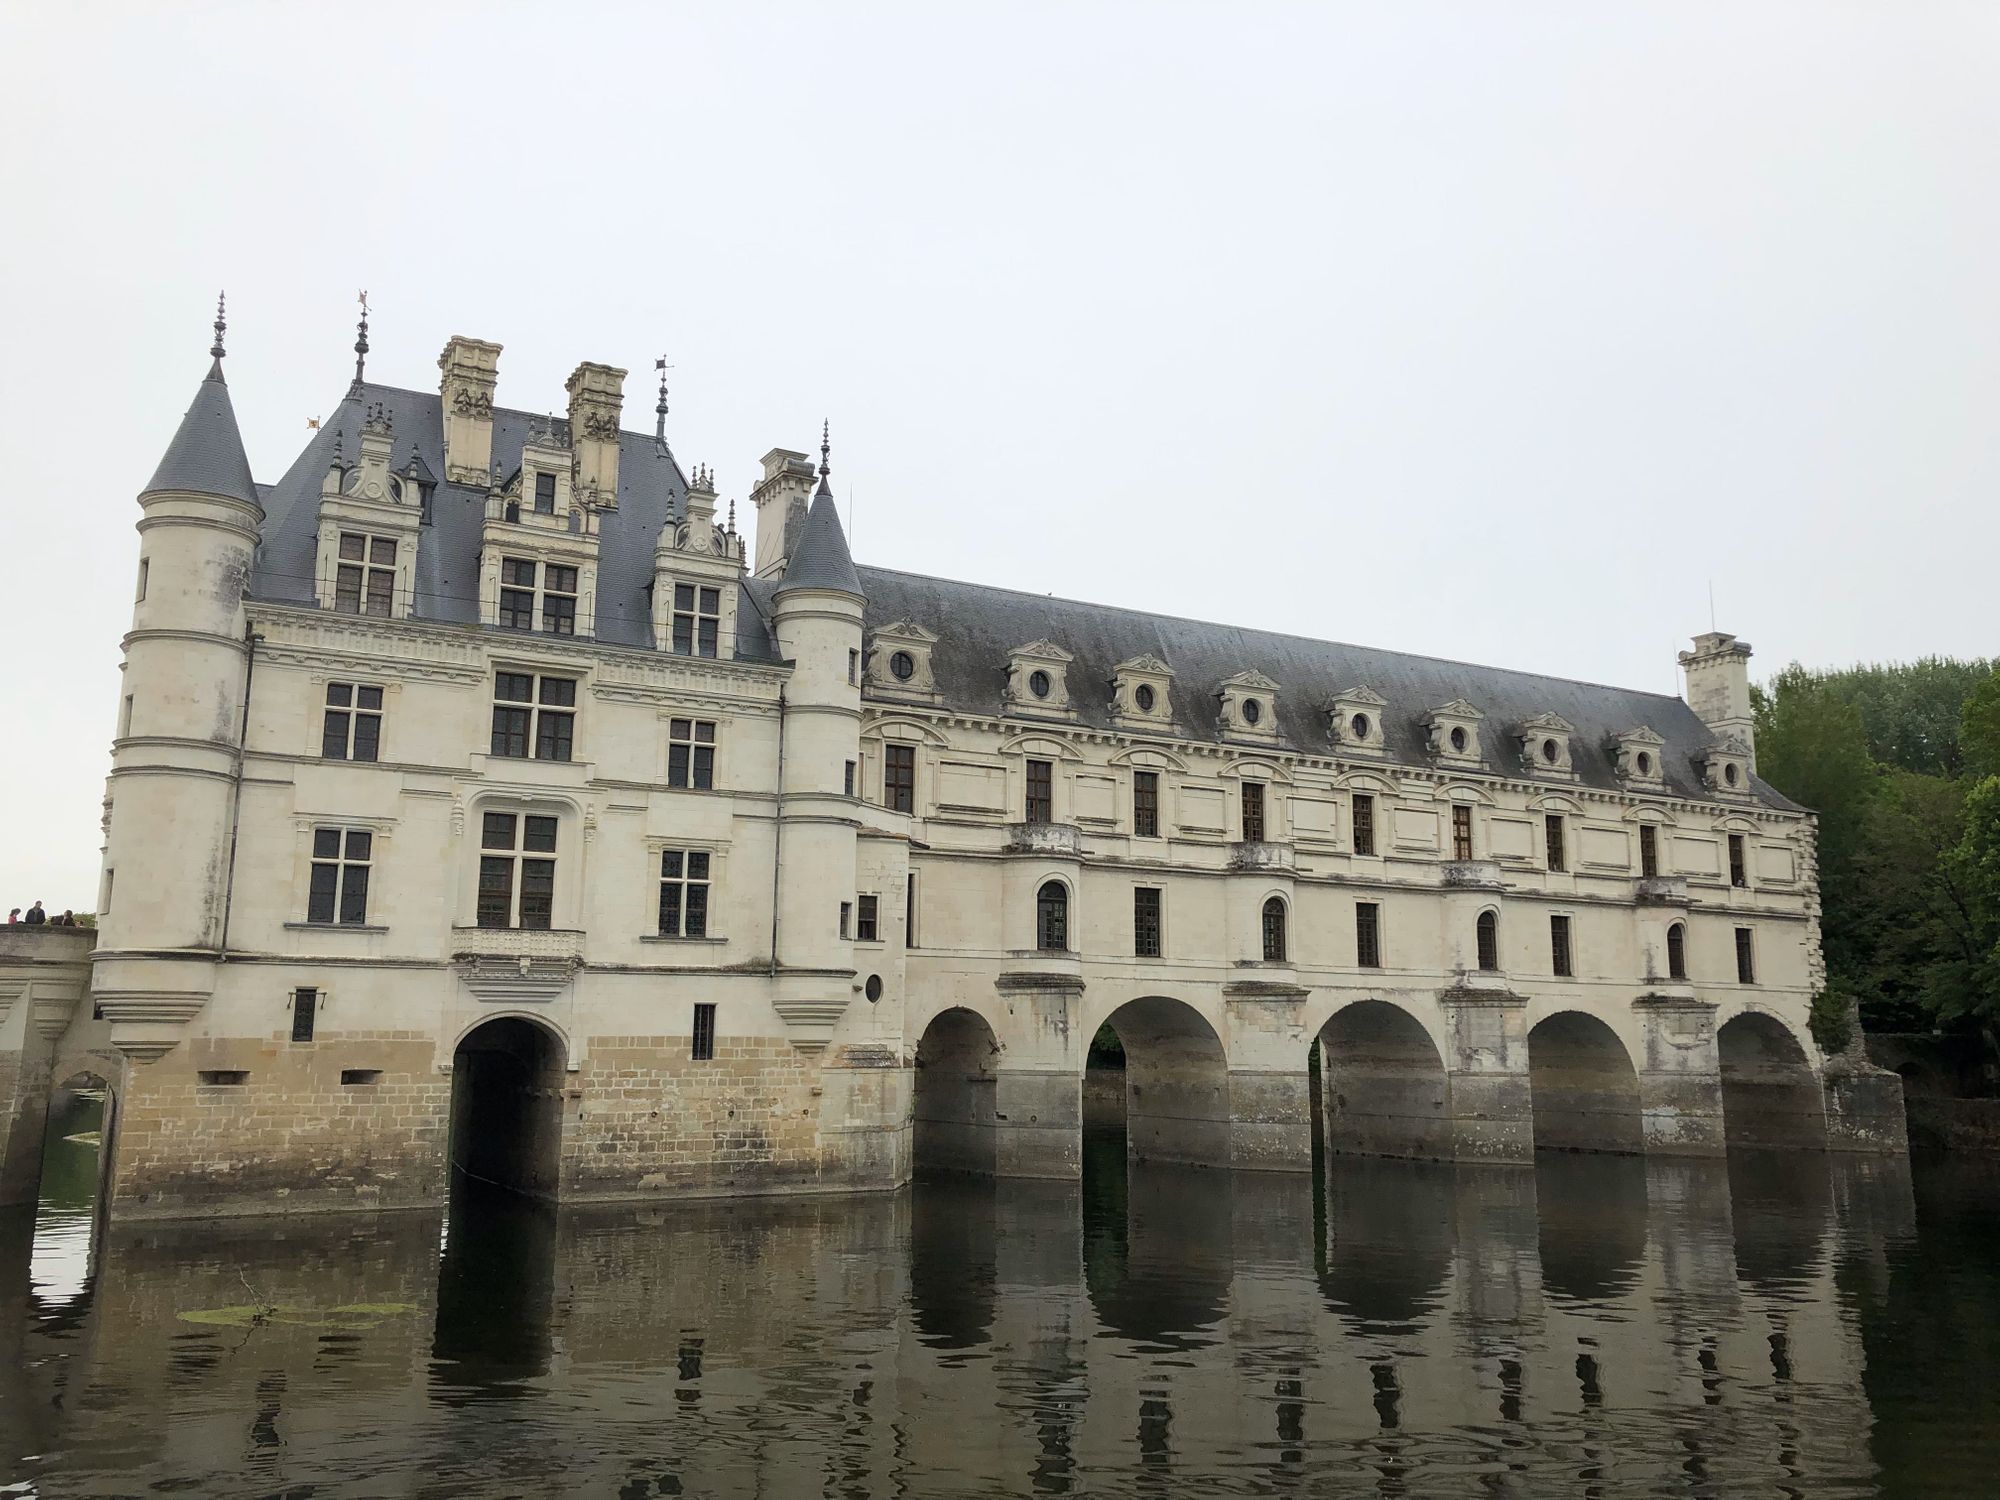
x: 36, y: 917
x: 14, y: 917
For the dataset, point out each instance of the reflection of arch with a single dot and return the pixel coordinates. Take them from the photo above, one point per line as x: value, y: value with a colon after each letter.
x: 952, y: 1267
x: 1383, y: 1084
x: 506, y: 1105
x: 952, y: 1120
x: 83, y: 1102
x: 1157, y: 1258
x: 1781, y: 1218
x: 1387, y: 1243
x: 1176, y: 1083
x: 1770, y: 1096
x: 1586, y: 1092
x: 495, y: 1297
x: 1591, y: 1212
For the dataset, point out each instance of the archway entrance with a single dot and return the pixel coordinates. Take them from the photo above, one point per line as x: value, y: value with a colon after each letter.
x: 78, y: 1133
x: 1769, y: 1094
x: 1586, y: 1092
x: 1382, y: 1085
x: 952, y: 1120
x: 1176, y: 1083
x: 506, y: 1107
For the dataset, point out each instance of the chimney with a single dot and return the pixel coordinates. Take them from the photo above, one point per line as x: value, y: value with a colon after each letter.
x: 781, y: 498
x: 596, y: 400
x: 1718, y: 687
x: 471, y: 372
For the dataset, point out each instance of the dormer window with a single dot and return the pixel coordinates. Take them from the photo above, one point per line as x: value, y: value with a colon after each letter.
x: 902, y: 666
x: 1544, y: 742
x: 1635, y: 755
x: 1725, y: 768
x: 898, y: 661
x: 1039, y: 684
x: 365, y: 581
x: 697, y: 619
x: 1142, y: 697
x: 1454, y: 733
x: 1141, y: 693
x: 1037, y: 678
x: 545, y: 494
x: 1249, y: 706
x: 1354, y: 720
x: 531, y: 591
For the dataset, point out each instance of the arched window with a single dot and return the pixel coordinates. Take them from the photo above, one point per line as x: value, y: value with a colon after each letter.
x: 1052, y: 918
x: 1274, y: 930
x: 1677, y: 958
x: 1489, y: 942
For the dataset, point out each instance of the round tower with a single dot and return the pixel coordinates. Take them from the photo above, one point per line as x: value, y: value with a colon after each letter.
x: 176, y: 761
x: 816, y: 613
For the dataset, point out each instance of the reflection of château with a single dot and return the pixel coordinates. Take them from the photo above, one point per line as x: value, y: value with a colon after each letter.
x: 475, y: 784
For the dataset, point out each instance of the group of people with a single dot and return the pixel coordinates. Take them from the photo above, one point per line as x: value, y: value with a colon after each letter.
x: 36, y: 917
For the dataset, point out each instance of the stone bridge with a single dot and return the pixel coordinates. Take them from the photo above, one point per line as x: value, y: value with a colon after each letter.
x: 49, y: 1040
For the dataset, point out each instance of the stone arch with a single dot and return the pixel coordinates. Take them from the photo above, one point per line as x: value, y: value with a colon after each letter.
x: 507, y: 1075
x: 1770, y: 1093
x: 1176, y: 1082
x: 1584, y: 1086
x: 82, y: 1087
x: 1383, y: 1087
x: 952, y: 1121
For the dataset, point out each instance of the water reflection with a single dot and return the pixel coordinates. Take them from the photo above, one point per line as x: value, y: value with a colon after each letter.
x: 1618, y: 1327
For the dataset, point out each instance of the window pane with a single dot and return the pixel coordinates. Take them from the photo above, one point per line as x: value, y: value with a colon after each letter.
x: 352, y: 547
x: 514, y: 687
x: 670, y: 910
x: 510, y: 731
x: 382, y: 551
x: 539, y: 835
x: 707, y: 638
x: 670, y: 864
x: 319, y: 902
x: 538, y: 886
x: 340, y: 694
x: 326, y: 843
x: 683, y: 596
x: 677, y: 765
x: 697, y: 911
x: 561, y: 579
x: 704, y: 732
x: 558, y: 614
x: 545, y: 493
x: 368, y: 697
x: 517, y: 609
x: 698, y: 865
x: 347, y: 590
x: 553, y: 740
x: 704, y: 768
x: 680, y: 729
x: 497, y: 831
x: 367, y: 732
x: 359, y: 843
x: 354, y: 894
x: 711, y: 601
x: 683, y: 635
x: 333, y: 738
x: 517, y: 570
x: 496, y: 891
x: 559, y: 691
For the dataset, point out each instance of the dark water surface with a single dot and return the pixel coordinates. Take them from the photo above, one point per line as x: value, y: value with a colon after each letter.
x: 1791, y: 1325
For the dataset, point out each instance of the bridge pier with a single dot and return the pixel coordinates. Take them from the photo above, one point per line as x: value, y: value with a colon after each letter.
x: 1491, y: 1101
x: 44, y: 976
x: 1038, y: 1077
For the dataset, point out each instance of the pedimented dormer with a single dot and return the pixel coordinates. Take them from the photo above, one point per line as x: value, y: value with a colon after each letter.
x: 899, y: 662
x: 1038, y: 679
x: 538, y: 548
x: 1141, y: 694
x: 1249, y: 706
x: 1545, y: 745
x: 368, y: 525
x: 696, y: 565
x: 1635, y: 756
x: 1454, y: 733
x: 1725, y: 768
x: 539, y: 492
x: 1354, y: 719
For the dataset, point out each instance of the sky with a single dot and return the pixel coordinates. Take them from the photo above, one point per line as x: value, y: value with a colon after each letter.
x: 1505, y: 333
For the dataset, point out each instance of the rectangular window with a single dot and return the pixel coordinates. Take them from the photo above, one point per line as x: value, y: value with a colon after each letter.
x: 517, y: 592
x: 684, y: 893
x: 145, y: 567
x: 1739, y: 870
x: 533, y: 713
x: 866, y: 922
x: 1368, y: 934
x: 1746, y: 958
x: 340, y: 861
x: 1552, y: 828
x: 545, y: 494
x: 517, y: 871
x: 559, y: 600
x: 846, y: 918
x: 691, y: 754
x: 1146, y: 922
x: 910, y: 911
x: 1041, y: 791
x: 352, y: 729
x: 1253, y: 812
x: 359, y: 1077
x: 847, y: 779
x: 1461, y: 831
x: 365, y: 580
x: 223, y: 1077
x: 304, y: 1004
x: 697, y: 619
x: 703, y: 1049
x: 1364, y: 823
x: 1559, y: 954
x: 1146, y: 804
x: 125, y: 717
x: 1649, y: 850
x: 853, y: 668
x: 899, y: 778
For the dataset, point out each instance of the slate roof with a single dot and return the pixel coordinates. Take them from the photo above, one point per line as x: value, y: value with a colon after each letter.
x: 207, y: 455
x: 652, y: 492
x: 822, y: 560
x: 977, y: 626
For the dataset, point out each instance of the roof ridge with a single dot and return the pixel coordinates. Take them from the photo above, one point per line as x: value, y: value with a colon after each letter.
x: 1311, y: 640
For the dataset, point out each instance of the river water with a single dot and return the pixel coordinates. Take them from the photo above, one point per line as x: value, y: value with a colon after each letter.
x: 1591, y: 1326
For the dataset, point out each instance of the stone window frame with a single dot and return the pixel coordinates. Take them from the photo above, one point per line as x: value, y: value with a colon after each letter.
x: 718, y: 911
x: 573, y: 838
x: 1745, y: 949
x: 1276, y: 781
x: 1236, y: 693
x: 1148, y: 672
x: 1159, y: 948
x: 1028, y: 664
x: 1562, y: 944
x: 1677, y: 965
x: 1275, y: 935
x: 1160, y: 763
x: 1637, y: 757
x: 694, y: 745
x: 1067, y: 917
x: 1725, y: 769
x: 518, y: 853
x: 1460, y: 720
x: 877, y: 734
x: 304, y: 826
x: 1485, y: 925
x: 523, y: 666
x: 1364, y: 700
x: 341, y: 859
x: 868, y: 914
x: 884, y: 642
x: 323, y: 708
x: 540, y: 594
x: 1381, y: 935
x: 367, y: 566
x: 1022, y: 748
x: 1537, y: 737
x: 1381, y: 793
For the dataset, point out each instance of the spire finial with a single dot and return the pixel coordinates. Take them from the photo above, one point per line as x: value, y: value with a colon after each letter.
x: 215, y: 350
x: 825, y: 447
x: 732, y: 516
x: 360, y: 344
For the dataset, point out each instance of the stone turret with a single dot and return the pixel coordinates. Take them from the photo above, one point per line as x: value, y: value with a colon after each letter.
x: 1718, y: 687
x: 176, y: 762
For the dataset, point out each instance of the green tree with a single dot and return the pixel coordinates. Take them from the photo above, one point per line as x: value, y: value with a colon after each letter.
x: 1975, y: 867
x: 1913, y: 919
x: 1979, y: 728
x: 1911, y: 711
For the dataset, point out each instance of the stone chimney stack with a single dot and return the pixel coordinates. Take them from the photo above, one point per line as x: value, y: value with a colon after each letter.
x: 471, y: 373
x: 781, y: 498
x: 1718, y: 687
x: 596, y: 401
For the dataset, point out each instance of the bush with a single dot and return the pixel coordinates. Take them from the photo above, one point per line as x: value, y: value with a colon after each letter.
x: 1831, y: 1020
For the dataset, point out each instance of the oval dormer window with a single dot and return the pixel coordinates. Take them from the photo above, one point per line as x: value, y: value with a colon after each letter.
x: 1458, y: 740
x: 1729, y: 773
x: 1038, y: 684
x: 1144, y: 698
x: 902, y: 666
x: 1252, y: 711
x: 1359, y: 726
x: 1645, y: 763
x: 1551, y: 751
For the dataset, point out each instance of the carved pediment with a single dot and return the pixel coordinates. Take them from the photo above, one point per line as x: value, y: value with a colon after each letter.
x: 1043, y: 651
x: 1252, y: 679
x: 1149, y: 664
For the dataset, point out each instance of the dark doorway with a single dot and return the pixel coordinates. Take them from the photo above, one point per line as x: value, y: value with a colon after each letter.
x: 506, y: 1107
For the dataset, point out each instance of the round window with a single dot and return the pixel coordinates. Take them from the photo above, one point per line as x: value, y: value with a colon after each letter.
x: 1038, y: 684
x: 1551, y: 751
x: 1252, y: 710
x: 873, y: 989
x: 1729, y: 773
x: 1144, y: 698
x: 1458, y: 740
x: 1359, y: 725
x: 1645, y: 763
x: 902, y: 666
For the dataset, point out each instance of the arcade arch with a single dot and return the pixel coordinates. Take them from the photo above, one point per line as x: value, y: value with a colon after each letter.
x: 952, y: 1109
x: 1584, y: 1087
x: 1770, y: 1095
x: 1383, y: 1089
x: 1176, y: 1083
x: 506, y: 1107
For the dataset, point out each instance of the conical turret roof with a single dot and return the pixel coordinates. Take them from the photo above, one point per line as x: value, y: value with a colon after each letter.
x: 822, y: 560
x: 206, y: 455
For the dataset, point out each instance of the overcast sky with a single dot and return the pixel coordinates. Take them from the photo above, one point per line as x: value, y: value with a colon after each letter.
x: 1497, y: 332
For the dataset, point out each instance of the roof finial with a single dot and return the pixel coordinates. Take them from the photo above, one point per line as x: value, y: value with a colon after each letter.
x: 825, y: 447
x: 215, y: 350
x: 732, y: 516
x: 660, y: 411
x: 360, y: 345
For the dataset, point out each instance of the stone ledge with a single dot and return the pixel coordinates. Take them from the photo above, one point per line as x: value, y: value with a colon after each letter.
x: 1264, y: 989
x: 1018, y: 981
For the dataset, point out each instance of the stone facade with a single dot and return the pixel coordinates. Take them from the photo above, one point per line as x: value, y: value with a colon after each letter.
x: 515, y: 812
